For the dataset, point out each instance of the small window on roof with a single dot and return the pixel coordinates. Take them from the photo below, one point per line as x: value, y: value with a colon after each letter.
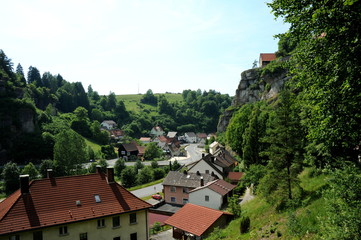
x: 97, y: 198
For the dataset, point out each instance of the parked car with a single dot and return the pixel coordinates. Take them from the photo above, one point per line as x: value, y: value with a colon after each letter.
x: 157, y: 196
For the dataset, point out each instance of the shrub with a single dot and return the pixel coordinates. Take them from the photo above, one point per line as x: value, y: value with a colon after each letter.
x: 245, y: 224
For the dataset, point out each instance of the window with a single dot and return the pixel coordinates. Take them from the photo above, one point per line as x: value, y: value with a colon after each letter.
x: 38, y: 235
x: 97, y: 198
x: 116, y: 238
x: 207, y: 171
x: 133, y: 218
x: 63, y: 230
x: 172, y: 189
x: 206, y: 198
x: 83, y: 236
x: 116, y: 221
x: 133, y: 236
x: 185, y: 190
x: 185, y: 200
x: 14, y: 237
x: 172, y: 199
x: 101, y: 223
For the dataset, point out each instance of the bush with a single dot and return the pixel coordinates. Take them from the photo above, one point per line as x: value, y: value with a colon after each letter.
x: 245, y: 224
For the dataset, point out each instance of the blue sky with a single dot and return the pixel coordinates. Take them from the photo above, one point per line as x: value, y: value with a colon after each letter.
x: 126, y: 45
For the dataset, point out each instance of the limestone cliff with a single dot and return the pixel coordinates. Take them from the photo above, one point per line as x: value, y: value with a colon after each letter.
x: 252, y: 87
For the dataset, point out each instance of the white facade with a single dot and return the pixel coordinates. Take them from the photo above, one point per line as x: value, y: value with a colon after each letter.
x: 213, y: 147
x: 203, y: 167
x: 108, y: 124
x: 206, y: 197
x: 190, y: 137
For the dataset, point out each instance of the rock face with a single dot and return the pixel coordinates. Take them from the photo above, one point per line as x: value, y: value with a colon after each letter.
x: 252, y: 88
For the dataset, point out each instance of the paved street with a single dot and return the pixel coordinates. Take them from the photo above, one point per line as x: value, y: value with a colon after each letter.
x: 147, y: 191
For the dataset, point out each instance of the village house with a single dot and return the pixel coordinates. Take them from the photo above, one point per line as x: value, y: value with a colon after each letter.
x: 190, y: 137
x: 145, y: 140
x: 116, y: 134
x: 214, y: 194
x: 197, y: 222
x: 266, y: 58
x: 172, y: 135
x: 156, y: 131
x: 235, y: 177
x: 177, y: 185
x: 218, y: 165
x: 201, y: 138
x: 108, y: 124
x: 81, y: 207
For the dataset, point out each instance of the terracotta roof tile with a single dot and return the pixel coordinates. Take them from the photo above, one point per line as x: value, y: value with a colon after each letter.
x: 235, y: 175
x: 194, y: 219
x: 53, y: 201
x: 268, y: 56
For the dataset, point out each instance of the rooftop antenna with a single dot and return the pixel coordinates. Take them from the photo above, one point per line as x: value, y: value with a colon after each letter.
x: 138, y: 87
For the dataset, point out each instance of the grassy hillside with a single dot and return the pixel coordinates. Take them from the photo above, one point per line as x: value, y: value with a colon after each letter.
x: 132, y: 101
x: 267, y: 223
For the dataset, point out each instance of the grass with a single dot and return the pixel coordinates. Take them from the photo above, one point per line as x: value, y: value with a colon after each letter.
x: 267, y: 223
x: 96, y: 147
x: 145, y: 185
x: 132, y: 102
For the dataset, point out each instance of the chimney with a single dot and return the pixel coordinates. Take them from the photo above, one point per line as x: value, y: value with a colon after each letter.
x: 185, y: 172
x: 202, y: 182
x: 98, y: 169
x: 212, y: 159
x: 49, y: 173
x: 198, y: 173
x: 110, y: 175
x: 202, y: 155
x: 24, y: 184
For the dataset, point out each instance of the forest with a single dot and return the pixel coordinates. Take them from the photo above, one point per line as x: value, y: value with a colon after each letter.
x: 301, y: 151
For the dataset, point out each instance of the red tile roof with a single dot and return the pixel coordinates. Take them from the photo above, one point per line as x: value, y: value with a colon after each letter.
x: 267, y: 57
x: 235, y: 176
x: 52, y: 201
x: 195, y: 219
x: 163, y: 138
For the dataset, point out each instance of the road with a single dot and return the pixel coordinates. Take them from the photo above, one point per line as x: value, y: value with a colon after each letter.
x: 247, y: 196
x: 193, y: 154
x: 147, y: 191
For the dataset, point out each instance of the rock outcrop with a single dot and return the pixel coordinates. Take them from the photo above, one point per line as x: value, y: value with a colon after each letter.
x: 252, y: 88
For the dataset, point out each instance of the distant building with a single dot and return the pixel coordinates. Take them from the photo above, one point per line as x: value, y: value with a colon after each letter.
x: 190, y: 137
x: 81, y: 207
x: 108, y: 124
x: 156, y: 131
x: 266, y: 58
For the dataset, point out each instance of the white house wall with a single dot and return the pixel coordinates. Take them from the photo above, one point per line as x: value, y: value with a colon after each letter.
x: 198, y: 198
x: 202, y: 166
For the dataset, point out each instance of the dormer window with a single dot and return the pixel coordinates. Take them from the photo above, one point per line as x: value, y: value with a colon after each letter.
x: 97, y: 198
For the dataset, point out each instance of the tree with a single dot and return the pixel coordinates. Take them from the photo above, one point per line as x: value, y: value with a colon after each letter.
x: 128, y: 177
x: 45, y: 165
x: 33, y: 75
x: 31, y: 170
x: 10, y: 175
x: 158, y: 173
x: 108, y: 152
x: 138, y: 165
x: 152, y: 151
x: 285, y: 152
x: 69, y: 151
x: 343, y: 204
x: 119, y: 167
x: 328, y: 74
x: 149, y: 98
x: 145, y: 175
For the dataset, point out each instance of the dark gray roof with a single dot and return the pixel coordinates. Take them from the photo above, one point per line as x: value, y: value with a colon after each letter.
x: 181, y: 179
x: 191, y: 134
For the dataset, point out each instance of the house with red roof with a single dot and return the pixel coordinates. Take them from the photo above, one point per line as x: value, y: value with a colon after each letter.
x: 266, y: 58
x: 81, y: 207
x: 214, y: 195
x: 235, y: 177
x: 197, y: 222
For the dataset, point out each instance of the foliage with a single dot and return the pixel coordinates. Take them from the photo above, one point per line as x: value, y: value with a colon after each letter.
x: 245, y: 224
x: 343, y: 204
x: 44, y: 166
x: 31, y: 170
x: 152, y: 151
x: 108, y: 152
x: 69, y: 152
x: 234, y: 206
x: 119, y: 167
x: 149, y: 98
x: 10, y: 174
x: 145, y: 175
x: 128, y: 177
x: 158, y: 173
